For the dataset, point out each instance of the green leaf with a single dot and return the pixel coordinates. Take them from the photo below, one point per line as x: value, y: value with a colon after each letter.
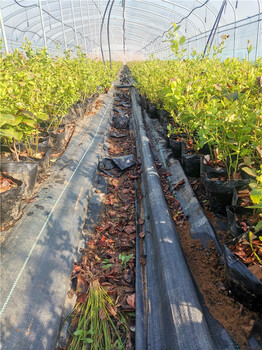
x: 6, y: 119
x: 79, y: 332
x: 258, y: 227
x: 256, y: 195
x: 88, y: 340
x: 249, y: 171
x: 256, y: 206
x: 107, y: 266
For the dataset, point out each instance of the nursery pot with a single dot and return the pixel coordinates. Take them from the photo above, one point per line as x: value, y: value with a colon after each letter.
x: 152, y: 110
x: 234, y: 212
x: 176, y: 147
x: 70, y: 117
x: 24, y: 171
x: 211, y: 171
x: 57, y: 141
x: 79, y: 110
x: 43, y: 164
x: 11, y: 208
x: 220, y: 192
x: 191, y: 164
x: 243, y: 284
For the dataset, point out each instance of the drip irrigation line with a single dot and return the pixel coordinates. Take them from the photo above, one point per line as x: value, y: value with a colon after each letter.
x: 49, y: 216
x: 108, y: 36
x: 101, y: 31
x: 166, y: 31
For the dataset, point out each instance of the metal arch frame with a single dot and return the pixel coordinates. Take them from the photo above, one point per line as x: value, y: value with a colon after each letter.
x: 185, y: 8
x: 150, y: 12
x: 137, y: 32
x: 113, y: 21
x: 210, y: 9
x: 235, y: 16
x: 137, y: 24
x: 186, y: 17
x: 77, y: 26
x: 54, y: 24
x: 192, y: 24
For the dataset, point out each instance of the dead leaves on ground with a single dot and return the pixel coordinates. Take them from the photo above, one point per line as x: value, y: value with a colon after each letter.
x: 114, y: 235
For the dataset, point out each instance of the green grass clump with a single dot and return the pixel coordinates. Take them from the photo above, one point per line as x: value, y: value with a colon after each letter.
x: 99, y: 325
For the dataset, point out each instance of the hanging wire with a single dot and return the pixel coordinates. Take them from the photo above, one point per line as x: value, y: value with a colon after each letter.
x: 101, y: 31
x: 166, y: 31
x: 108, y: 36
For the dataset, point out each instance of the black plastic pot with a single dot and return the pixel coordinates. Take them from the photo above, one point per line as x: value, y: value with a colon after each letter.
x: 71, y: 117
x: 152, y: 110
x: 24, y: 171
x: 164, y: 116
x: 89, y: 102
x: 41, y: 147
x: 220, y: 192
x: 205, y: 150
x: 43, y: 165
x: 242, y: 283
x: 191, y: 164
x: 210, y: 171
x: 11, y: 207
x: 79, y: 110
x: 57, y: 141
x: 176, y: 147
x: 234, y: 212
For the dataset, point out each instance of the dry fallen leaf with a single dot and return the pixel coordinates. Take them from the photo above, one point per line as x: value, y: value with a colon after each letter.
x: 102, y: 314
x: 130, y: 229
x: 131, y: 301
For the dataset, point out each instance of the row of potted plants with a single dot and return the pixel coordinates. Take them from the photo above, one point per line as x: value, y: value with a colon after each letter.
x: 211, y: 111
x: 41, y: 98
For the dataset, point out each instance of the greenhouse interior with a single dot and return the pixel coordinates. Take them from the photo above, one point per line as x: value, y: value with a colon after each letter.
x: 131, y: 174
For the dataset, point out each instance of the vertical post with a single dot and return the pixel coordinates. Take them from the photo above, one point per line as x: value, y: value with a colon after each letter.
x: 83, y: 28
x: 88, y: 17
x: 74, y: 23
x: 3, y: 32
x: 124, y: 25
x: 258, y: 29
x: 42, y: 21
x: 62, y: 19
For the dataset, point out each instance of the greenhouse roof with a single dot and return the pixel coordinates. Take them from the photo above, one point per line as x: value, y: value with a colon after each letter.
x: 133, y: 28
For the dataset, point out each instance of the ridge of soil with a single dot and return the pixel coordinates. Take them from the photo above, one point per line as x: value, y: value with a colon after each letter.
x: 209, y: 274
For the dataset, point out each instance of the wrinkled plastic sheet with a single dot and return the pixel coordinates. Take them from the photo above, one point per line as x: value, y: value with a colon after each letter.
x: 114, y: 167
x: 116, y: 135
x: 120, y: 121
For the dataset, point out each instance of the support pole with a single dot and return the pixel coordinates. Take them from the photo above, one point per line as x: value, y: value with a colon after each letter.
x: 42, y: 21
x: 3, y: 32
x: 63, y: 27
x: 74, y: 23
x: 258, y: 29
x: 108, y: 34
x: 83, y: 28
